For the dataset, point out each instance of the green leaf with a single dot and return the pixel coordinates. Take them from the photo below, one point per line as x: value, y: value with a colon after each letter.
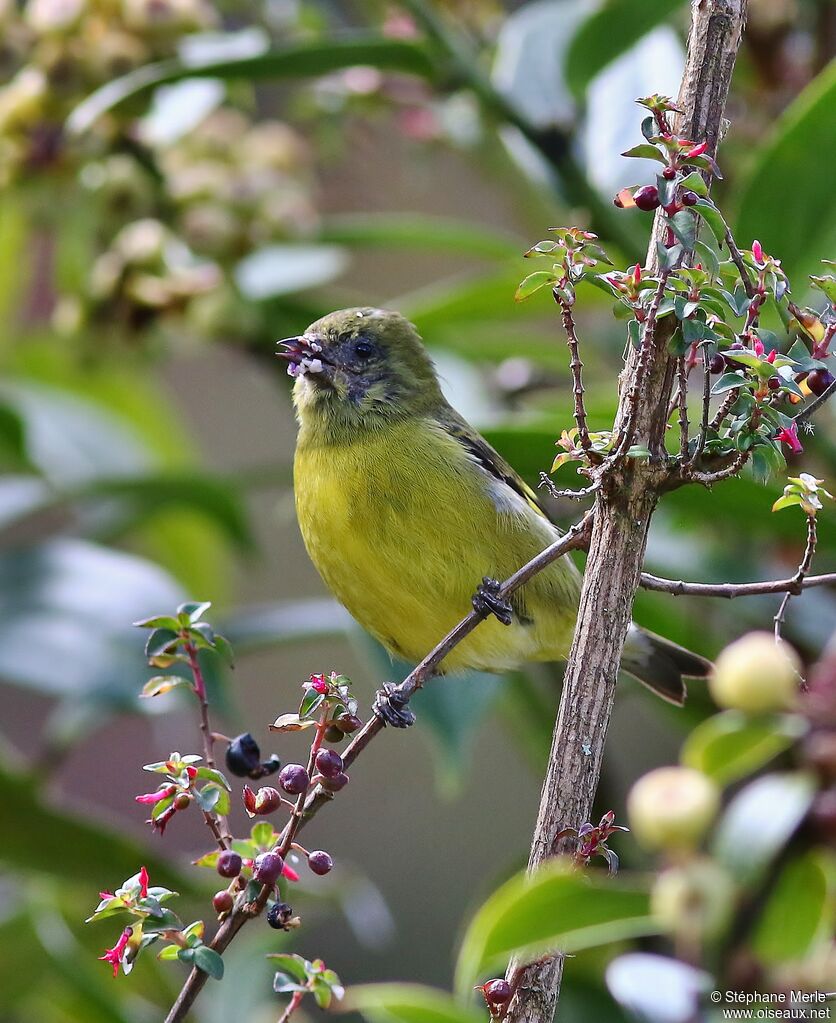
x: 160, y: 641
x: 208, y: 960
x: 555, y: 909
x: 311, y: 702
x: 194, y: 609
x: 293, y: 965
x: 787, y: 200
x: 534, y: 282
x: 645, y: 151
x: 759, y: 821
x: 160, y: 684
x: 712, y: 216
x: 607, y: 33
x: 407, y: 1003
x: 158, y: 622
x: 728, y: 382
x: 294, y: 60
x: 799, y: 910
x: 684, y: 226
x: 731, y: 745
x: 694, y: 182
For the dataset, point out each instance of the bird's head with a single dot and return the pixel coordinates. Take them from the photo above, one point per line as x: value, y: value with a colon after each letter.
x: 360, y: 367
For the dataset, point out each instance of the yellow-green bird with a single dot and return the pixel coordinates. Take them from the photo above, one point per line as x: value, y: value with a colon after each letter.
x: 404, y: 508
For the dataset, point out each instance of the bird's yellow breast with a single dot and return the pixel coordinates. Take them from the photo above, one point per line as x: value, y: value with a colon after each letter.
x: 402, y: 524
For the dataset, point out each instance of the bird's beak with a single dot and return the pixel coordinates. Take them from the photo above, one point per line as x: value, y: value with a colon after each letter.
x: 302, y: 355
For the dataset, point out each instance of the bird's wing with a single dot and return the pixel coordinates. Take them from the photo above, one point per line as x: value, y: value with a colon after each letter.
x: 490, y: 460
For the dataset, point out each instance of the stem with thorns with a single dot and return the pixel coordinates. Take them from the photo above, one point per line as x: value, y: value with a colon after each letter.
x: 576, y: 366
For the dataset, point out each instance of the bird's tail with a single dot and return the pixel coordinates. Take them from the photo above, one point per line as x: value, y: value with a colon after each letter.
x: 660, y: 664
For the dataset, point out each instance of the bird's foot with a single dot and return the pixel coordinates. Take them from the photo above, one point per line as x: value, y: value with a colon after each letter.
x: 487, y: 601
x: 391, y: 706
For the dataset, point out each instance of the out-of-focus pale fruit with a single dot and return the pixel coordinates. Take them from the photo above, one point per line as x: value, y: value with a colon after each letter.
x: 672, y: 808
x: 756, y: 675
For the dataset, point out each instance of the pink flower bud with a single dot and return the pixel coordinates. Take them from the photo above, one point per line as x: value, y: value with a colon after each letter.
x: 757, y: 251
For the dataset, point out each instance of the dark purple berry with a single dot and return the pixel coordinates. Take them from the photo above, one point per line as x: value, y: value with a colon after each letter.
x: 320, y: 862
x: 223, y: 901
x: 646, y: 197
x: 229, y: 864
x: 497, y: 993
x: 716, y: 364
x: 182, y: 801
x: 333, y: 734
x: 348, y: 723
x: 294, y: 779
x: 329, y: 763
x: 818, y: 380
x: 278, y: 915
x: 668, y: 173
x: 243, y: 756
x: 774, y: 383
x: 689, y: 198
x: 336, y: 783
x: 268, y: 867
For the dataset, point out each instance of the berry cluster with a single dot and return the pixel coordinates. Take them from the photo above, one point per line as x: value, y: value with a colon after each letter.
x: 257, y: 868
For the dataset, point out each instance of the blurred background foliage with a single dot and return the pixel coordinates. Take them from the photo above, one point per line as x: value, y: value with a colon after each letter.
x: 183, y: 182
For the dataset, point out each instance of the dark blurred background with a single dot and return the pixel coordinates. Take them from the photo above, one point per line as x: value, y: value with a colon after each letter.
x: 279, y: 160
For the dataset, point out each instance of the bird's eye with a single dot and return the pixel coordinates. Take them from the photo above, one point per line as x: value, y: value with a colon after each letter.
x: 363, y: 348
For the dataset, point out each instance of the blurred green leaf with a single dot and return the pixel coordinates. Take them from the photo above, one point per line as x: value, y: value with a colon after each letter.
x: 787, y: 202
x: 262, y: 626
x: 607, y: 33
x: 730, y: 745
x: 86, y: 848
x: 759, y: 821
x: 407, y: 1003
x: 556, y: 908
x: 419, y: 232
x: 294, y: 60
x: 65, y: 612
x: 799, y: 909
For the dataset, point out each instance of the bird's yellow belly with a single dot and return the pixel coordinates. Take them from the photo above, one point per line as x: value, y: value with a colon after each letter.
x: 403, y: 543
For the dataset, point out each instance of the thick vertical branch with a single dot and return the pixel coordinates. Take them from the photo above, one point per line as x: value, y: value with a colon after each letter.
x: 623, y: 508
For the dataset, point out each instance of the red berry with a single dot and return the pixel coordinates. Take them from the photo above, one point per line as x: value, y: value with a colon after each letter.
x: 689, y: 198
x: 716, y: 364
x: 223, y: 902
x: 497, y: 993
x: 774, y: 383
x: 668, y: 173
x: 646, y: 197
x: 329, y: 763
x: 320, y: 862
x: 818, y: 380
x: 294, y: 779
x: 268, y: 867
x: 229, y: 864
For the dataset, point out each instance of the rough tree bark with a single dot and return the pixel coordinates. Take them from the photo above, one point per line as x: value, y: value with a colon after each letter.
x: 623, y: 508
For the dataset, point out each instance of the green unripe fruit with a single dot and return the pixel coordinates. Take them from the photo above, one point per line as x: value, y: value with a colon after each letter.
x: 672, y: 808
x: 694, y: 901
x: 756, y: 675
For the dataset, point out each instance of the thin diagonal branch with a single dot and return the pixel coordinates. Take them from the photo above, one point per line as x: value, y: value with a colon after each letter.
x: 679, y: 588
